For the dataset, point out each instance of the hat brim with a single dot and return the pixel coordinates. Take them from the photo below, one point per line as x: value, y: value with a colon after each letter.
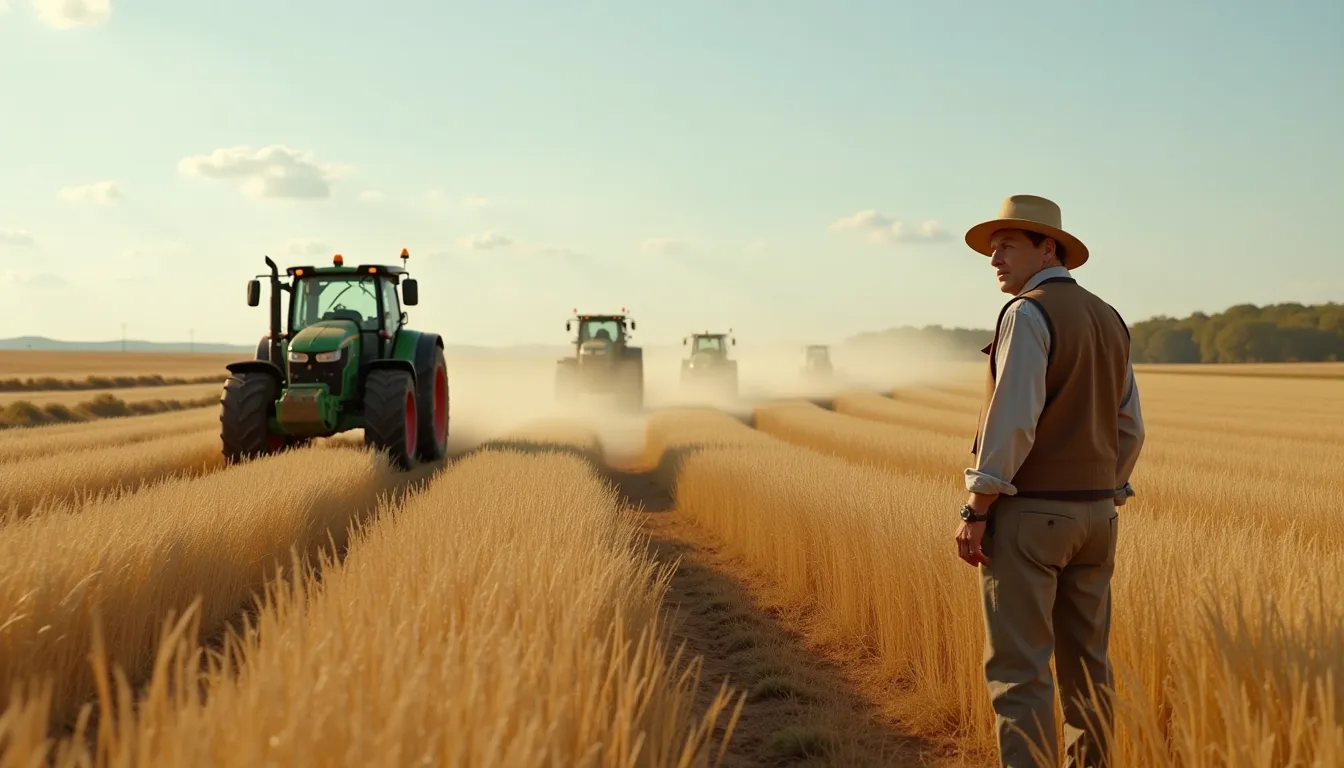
x: 977, y: 237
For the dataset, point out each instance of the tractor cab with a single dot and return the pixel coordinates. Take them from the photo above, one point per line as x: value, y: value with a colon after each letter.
x: 817, y: 360
x: 600, y: 336
x: 715, y: 344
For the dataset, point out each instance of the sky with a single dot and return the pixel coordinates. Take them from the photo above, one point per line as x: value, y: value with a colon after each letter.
x: 795, y: 171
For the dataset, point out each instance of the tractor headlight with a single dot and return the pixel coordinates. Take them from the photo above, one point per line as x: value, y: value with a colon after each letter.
x: 328, y: 357
x: 298, y: 357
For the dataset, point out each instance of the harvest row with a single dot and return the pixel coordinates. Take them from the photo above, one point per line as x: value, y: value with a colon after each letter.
x: 512, y: 578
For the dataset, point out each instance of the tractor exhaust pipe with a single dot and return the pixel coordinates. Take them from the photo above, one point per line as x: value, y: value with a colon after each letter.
x: 276, y: 350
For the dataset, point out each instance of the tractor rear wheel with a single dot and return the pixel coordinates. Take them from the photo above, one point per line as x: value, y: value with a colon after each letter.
x: 432, y: 397
x: 390, y: 420
x: 246, y: 405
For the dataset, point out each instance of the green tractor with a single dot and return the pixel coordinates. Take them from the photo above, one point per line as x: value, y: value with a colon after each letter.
x: 817, y: 362
x: 604, y: 362
x: 347, y: 361
x: 709, y: 362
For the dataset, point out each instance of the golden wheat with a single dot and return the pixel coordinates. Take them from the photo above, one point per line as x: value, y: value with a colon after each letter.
x: 67, y: 479
x: 128, y: 562
x: 1213, y: 655
x: 503, y: 617
x: 32, y: 442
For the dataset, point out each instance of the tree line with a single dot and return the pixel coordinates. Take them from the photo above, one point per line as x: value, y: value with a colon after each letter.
x: 1245, y: 333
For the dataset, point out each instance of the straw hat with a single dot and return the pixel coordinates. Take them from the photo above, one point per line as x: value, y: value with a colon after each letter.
x: 1034, y: 214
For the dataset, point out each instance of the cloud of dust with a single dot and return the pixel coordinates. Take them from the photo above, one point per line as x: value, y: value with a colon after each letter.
x: 492, y: 394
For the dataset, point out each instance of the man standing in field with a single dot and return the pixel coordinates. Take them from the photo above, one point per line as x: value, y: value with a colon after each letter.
x: 1060, y: 434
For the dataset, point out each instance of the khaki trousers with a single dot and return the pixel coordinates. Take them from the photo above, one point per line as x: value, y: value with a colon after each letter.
x: 1048, y: 589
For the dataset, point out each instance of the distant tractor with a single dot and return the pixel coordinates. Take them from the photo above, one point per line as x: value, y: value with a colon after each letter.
x: 709, y: 363
x: 817, y: 362
x: 340, y: 357
x: 604, y: 361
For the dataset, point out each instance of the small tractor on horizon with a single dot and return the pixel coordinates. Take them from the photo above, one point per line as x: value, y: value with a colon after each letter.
x: 339, y: 357
x: 817, y: 362
x: 709, y: 363
x: 604, y: 361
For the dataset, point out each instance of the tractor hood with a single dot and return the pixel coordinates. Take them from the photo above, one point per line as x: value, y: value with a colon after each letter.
x: 324, y: 336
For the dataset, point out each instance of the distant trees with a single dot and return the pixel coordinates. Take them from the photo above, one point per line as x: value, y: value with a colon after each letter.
x: 1245, y: 333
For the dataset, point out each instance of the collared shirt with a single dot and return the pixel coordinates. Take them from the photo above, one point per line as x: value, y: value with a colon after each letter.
x: 1009, y: 426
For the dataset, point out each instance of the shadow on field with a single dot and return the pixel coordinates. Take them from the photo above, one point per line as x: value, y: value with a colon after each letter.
x: 799, y: 709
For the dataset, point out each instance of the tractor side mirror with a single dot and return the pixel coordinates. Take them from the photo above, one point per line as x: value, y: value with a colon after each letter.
x: 568, y: 326
x: 734, y: 342
x: 253, y: 293
x: 410, y: 292
x: 632, y: 325
x: 683, y: 342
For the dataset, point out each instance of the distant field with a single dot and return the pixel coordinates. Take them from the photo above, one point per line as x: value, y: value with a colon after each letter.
x: 77, y: 365
x: 130, y: 394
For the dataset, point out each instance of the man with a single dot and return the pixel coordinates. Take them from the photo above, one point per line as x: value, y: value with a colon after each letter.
x: 1060, y: 435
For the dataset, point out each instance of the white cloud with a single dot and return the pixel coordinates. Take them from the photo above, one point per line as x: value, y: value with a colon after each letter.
x: 33, y: 279
x: 276, y: 171
x: 98, y: 193
x: 474, y: 203
x: 555, y: 252
x: 370, y: 195
x: 884, y: 229
x: 307, y: 246
x: 69, y: 14
x: 15, y: 237
x: 665, y: 246
x: 484, y: 241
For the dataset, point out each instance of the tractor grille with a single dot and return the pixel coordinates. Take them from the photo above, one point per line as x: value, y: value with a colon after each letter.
x: 318, y: 373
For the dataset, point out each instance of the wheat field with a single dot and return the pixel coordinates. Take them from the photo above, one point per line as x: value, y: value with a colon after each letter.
x: 773, y: 585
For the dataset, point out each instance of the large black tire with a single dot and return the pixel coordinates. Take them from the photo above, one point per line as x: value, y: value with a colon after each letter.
x: 390, y: 421
x: 246, y: 406
x: 432, y: 397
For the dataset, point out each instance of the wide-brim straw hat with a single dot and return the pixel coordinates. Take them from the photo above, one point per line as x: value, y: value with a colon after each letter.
x: 1034, y: 214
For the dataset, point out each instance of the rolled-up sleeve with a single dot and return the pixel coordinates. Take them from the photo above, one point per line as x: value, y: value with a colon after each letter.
x: 1009, y: 426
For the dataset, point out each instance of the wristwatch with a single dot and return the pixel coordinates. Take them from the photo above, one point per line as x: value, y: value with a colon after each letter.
x: 971, y: 516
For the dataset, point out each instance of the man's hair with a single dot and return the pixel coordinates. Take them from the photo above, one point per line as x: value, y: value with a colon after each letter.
x: 1037, y: 238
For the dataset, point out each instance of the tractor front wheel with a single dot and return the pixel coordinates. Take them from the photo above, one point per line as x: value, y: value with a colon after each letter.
x: 390, y: 419
x: 244, y: 417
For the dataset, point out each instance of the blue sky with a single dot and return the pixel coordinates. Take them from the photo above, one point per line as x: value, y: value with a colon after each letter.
x: 687, y: 160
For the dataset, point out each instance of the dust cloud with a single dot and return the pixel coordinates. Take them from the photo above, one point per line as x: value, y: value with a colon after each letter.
x: 491, y: 395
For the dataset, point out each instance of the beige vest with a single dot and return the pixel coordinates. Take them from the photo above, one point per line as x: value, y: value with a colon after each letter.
x: 1076, y: 448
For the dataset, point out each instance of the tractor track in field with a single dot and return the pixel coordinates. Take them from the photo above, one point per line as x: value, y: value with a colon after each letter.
x: 801, y: 708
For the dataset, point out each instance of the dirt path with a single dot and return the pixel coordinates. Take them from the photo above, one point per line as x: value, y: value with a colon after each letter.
x: 800, y: 711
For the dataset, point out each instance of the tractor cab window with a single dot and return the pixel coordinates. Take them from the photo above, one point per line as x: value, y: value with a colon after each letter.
x: 605, y: 330
x: 336, y: 298
x: 391, y: 306
x: 708, y: 344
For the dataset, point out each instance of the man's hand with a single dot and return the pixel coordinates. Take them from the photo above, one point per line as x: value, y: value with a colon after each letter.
x: 970, y: 535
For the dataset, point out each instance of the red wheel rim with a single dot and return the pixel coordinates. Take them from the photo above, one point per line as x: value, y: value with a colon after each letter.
x: 275, y: 443
x: 440, y: 405
x: 410, y: 423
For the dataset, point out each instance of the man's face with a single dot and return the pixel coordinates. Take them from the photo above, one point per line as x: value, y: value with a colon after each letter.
x: 1015, y: 259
